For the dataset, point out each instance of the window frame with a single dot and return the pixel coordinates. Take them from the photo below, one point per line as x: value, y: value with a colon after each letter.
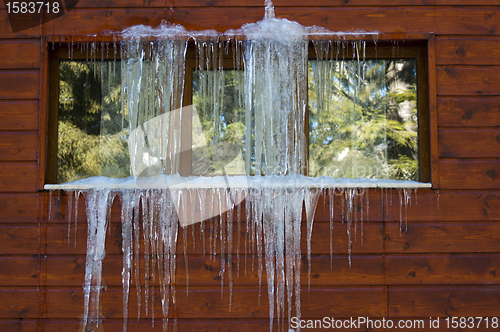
x: 386, y: 48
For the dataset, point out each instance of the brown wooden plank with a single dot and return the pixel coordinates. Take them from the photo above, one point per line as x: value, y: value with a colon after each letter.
x: 467, y: 51
x: 469, y: 143
x: 441, y: 20
x: 18, y: 240
x: 277, y: 4
x: 18, y: 325
x: 457, y: 269
x: 470, y: 174
x: 18, y: 146
x: 250, y: 325
x: 444, y: 205
x: 477, y: 112
x: 57, y: 239
x: 18, y: 208
x: 19, y: 303
x: 314, y: 3
x: 18, y: 115
x: 444, y: 301
x: 18, y: 271
x: 18, y: 177
x: 460, y: 81
x: 43, y: 137
x: 364, y: 198
x: 20, y: 54
x: 19, y: 85
x: 370, y: 243
x: 192, y: 325
x: 207, y: 303
x: 452, y: 237
x: 205, y: 271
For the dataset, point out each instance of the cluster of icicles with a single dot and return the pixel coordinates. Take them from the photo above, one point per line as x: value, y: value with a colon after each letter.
x: 274, y: 59
x: 271, y: 227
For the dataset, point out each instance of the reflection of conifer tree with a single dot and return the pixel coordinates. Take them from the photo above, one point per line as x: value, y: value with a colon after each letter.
x: 367, y: 120
x: 91, y: 140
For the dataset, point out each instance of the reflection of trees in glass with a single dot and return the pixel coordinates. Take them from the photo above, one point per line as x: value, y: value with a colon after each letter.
x: 217, y: 100
x: 91, y: 137
x: 363, y: 119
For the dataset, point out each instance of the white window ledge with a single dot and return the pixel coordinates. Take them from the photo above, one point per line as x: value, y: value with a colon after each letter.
x: 236, y: 182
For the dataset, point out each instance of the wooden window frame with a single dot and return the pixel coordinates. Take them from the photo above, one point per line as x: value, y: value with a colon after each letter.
x: 419, y: 47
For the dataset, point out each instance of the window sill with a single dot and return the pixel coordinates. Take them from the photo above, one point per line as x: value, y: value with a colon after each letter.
x: 236, y: 182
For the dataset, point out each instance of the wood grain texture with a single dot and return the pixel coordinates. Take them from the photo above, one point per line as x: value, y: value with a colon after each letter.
x: 57, y: 239
x: 207, y: 303
x: 18, y: 177
x: 18, y: 146
x: 466, y: 111
x: 20, y: 54
x: 6, y: 30
x: 43, y: 136
x: 278, y: 4
x: 204, y: 303
x: 467, y: 51
x: 18, y: 115
x: 443, y: 301
x: 444, y: 237
x: 460, y: 269
x: 421, y: 237
x: 469, y: 143
x: 463, y: 81
x: 441, y: 20
x: 18, y: 271
x: 18, y: 208
x: 206, y: 271
x: 19, y: 240
x: 470, y: 174
x: 443, y: 205
x: 19, y: 85
x: 201, y: 325
x: 18, y: 325
x: 452, y: 238
x: 19, y: 303
x: 364, y: 270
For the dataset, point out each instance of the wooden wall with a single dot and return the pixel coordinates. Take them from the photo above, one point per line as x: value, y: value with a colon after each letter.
x: 444, y: 265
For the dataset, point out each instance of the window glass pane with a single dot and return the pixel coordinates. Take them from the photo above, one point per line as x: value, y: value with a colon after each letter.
x: 218, y: 132
x: 363, y: 119
x: 92, y: 132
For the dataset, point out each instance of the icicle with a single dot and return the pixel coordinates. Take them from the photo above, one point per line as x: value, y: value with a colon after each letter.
x: 269, y: 9
x: 77, y: 198
x: 239, y: 195
x: 98, y: 203
x: 331, y: 197
x: 400, y: 211
x: 137, y: 245
x: 229, y: 221
x: 270, y: 250
x: 126, y: 217
x: 222, y: 228
x: 51, y: 193
x: 69, y: 211
x: 407, y: 201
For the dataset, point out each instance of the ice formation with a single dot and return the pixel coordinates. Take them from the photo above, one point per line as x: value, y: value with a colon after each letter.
x: 157, y: 199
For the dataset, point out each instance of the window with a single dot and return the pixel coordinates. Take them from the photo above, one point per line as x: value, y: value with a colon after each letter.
x: 365, y: 119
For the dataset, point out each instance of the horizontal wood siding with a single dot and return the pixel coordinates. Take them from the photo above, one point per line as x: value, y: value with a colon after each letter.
x: 437, y: 255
